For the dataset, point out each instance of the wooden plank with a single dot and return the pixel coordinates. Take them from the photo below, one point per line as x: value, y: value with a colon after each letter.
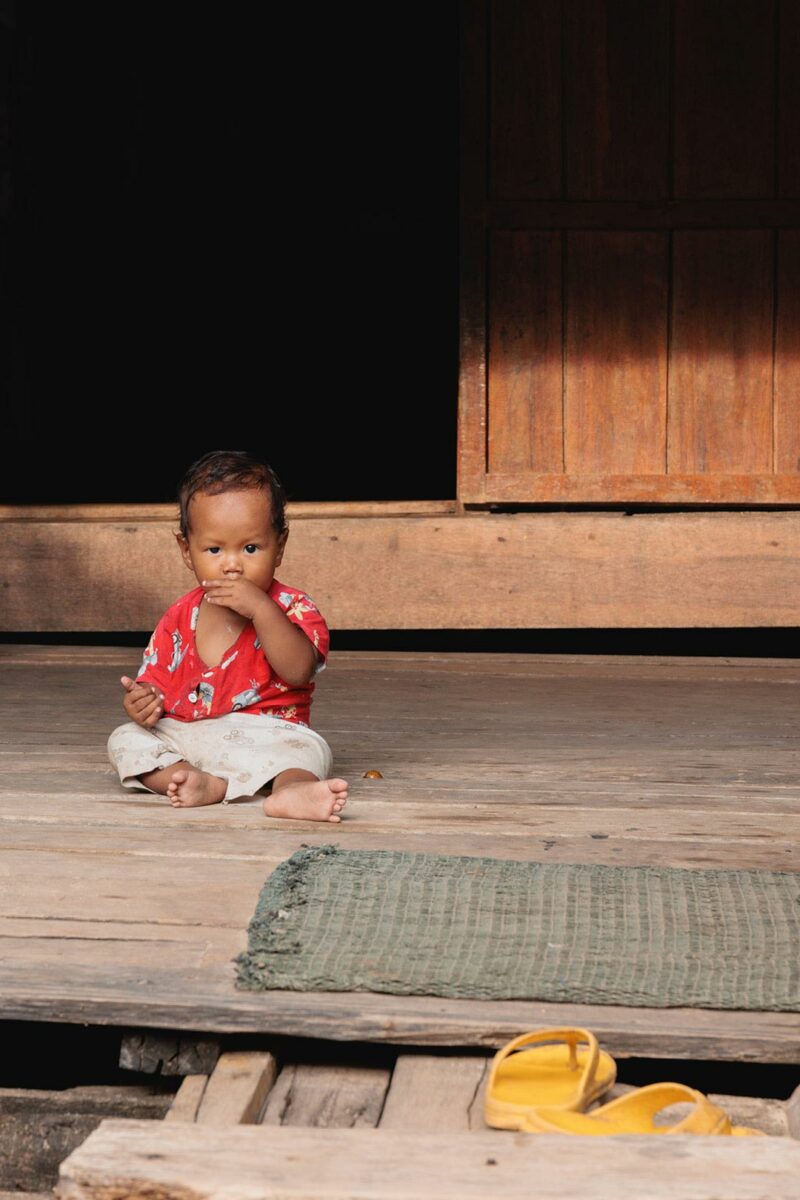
x: 525, y: 99
x: 160, y: 1054
x: 793, y: 1114
x: 518, y: 487
x: 187, y: 1099
x: 637, y: 668
x: 665, y: 215
x: 525, y: 369
x: 617, y: 113
x: 327, y: 1097
x: 148, y: 1159
x: 237, y: 1089
x: 161, y: 995
x: 548, y: 570
x: 435, y: 1095
x: 724, y: 97
x: 295, y: 511
x: 471, y: 437
x: 720, y: 370
x: 105, y: 894
x: 788, y: 98
x: 787, y: 349
x: 616, y: 354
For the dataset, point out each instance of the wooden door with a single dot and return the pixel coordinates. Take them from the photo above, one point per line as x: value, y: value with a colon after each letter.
x: 630, y: 252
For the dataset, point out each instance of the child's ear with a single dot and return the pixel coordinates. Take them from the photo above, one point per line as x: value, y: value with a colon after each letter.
x: 183, y: 546
x: 281, y: 547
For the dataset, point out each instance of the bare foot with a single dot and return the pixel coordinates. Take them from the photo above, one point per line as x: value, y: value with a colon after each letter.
x: 190, y: 788
x: 308, y: 800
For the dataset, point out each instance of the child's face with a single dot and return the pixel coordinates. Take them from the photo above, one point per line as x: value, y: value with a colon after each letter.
x: 231, y: 536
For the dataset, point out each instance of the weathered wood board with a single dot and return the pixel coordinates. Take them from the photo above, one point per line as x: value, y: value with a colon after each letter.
x: 548, y: 569
x: 138, y: 1160
x: 117, y: 908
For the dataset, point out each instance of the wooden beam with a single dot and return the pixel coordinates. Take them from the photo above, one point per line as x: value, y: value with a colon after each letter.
x: 431, y: 1094
x: 165, y: 1054
x: 467, y: 571
x: 139, y: 1159
x: 237, y: 1089
x: 187, y: 1099
x: 327, y: 1096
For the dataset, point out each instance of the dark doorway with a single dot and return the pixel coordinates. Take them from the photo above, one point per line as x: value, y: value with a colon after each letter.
x: 237, y: 231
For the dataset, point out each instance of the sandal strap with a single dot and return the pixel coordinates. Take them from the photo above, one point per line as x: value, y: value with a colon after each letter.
x: 568, y: 1034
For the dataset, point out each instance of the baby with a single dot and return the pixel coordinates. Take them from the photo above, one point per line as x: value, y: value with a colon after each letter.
x: 221, y: 703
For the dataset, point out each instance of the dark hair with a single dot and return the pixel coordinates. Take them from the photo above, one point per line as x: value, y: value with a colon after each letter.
x: 231, y: 471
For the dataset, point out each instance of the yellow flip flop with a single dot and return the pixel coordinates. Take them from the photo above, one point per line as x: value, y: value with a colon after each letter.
x: 634, y: 1113
x: 558, y: 1069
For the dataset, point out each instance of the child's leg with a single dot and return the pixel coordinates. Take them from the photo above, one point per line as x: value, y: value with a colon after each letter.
x: 185, y: 785
x: 301, y: 796
x: 138, y: 753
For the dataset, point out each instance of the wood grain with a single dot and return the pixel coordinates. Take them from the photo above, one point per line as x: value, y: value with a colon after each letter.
x: 152, y: 1161
x: 105, y: 894
x: 720, y: 369
x: 237, y: 1088
x: 187, y: 1099
x: 525, y: 104
x: 525, y: 368
x: 473, y: 85
x: 327, y: 1096
x: 616, y: 354
x: 787, y: 352
x: 724, y: 97
x: 435, y: 1095
x: 616, y: 127
x: 548, y: 570
x: 788, y: 98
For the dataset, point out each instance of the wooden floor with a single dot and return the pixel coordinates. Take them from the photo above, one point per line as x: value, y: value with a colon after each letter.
x: 254, y: 1128
x: 118, y: 909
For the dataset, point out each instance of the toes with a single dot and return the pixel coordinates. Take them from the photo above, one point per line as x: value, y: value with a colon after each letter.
x: 180, y: 776
x: 334, y: 818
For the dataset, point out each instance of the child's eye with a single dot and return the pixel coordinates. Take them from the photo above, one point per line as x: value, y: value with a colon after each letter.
x: 213, y: 550
x: 250, y: 548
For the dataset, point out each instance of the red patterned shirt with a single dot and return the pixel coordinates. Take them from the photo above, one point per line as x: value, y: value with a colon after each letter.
x: 243, y: 681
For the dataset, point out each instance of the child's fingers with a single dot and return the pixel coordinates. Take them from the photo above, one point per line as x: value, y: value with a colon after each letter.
x: 144, y: 705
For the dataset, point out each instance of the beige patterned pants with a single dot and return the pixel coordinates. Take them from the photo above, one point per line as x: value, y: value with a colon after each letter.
x: 247, y: 749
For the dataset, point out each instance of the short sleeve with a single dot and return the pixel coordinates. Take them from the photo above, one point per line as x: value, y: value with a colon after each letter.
x: 156, y: 658
x: 303, y: 612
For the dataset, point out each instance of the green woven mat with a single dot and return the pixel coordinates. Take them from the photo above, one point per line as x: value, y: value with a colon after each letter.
x: 424, y: 924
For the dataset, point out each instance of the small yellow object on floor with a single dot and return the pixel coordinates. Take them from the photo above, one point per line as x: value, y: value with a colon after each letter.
x: 635, y: 1112
x: 557, y: 1069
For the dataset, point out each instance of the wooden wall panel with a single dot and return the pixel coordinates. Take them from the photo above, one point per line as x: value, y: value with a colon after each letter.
x: 787, y: 354
x: 476, y: 571
x: 617, y: 99
x: 724, y: 98
x: 789, y: 99
x: 720, y: 368
x: 525, y: 106
x: 616, y: 359
x: 525, y: 339
x: 659, y: 141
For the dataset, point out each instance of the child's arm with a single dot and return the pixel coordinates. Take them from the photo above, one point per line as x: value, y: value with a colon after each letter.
x: 144, y: 696
x: 289, y: 652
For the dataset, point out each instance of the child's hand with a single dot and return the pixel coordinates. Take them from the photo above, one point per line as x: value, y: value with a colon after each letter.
x: 241, y: 595
x: 142, y: 702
